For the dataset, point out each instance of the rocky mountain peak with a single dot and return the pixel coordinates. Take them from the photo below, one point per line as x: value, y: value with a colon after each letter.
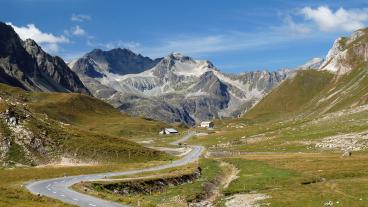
x: 24, y: 64
x: 118, y: 52
x: 178, y: 57
x: 11, y: 47
x: 9, y: 40
x: 180, y: 89
x: 347, y: 52
x: 181, y: 65
x: 118, y: 61
x: 30, y: 43
x: 32, y: 47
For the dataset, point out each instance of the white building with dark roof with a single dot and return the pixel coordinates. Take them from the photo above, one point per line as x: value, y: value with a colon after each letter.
x: 169, y: 131
x: 207, y: 124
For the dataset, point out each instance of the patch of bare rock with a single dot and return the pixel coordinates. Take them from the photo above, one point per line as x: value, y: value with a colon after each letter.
x: 246, y: 200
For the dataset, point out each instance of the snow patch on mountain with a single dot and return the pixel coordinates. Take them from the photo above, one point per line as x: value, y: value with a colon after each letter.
x: 179, y: 88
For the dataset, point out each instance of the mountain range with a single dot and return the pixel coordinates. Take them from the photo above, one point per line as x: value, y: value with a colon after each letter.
x: 172, y: 89
x: 178, y: 88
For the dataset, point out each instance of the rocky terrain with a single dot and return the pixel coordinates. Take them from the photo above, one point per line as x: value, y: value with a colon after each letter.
x: 345, y: 142
x: 346, y: 53
x: 176, y: 88
x: 24, y: 64
x: 21, y: 143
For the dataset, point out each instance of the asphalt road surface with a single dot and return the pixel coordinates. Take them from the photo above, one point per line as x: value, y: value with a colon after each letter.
x: 183, y: 139
x: 59, y: 188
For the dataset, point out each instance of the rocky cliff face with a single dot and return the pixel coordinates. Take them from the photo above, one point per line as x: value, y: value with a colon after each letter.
x: 24, y: 64
x: 347, y: 53
x: 178, y: 89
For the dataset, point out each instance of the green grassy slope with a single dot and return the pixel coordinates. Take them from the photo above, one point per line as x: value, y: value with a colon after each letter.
x: 71, y: 125
x: 291, y: 97
x: 304, y: 109
x: 92, y: 114
x: 315, y: 92
x: 312, y: 93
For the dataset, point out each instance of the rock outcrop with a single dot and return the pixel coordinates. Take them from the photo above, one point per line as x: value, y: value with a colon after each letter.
x: 24, y: 64
x: 347, y: 53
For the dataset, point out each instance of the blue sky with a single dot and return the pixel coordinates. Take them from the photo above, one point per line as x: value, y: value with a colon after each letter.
x: 236, y: 36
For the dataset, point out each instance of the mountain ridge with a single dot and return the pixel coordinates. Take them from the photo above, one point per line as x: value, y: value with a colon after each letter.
x: 339, y: 83
x: 177, y: 86
x: 24, y: 64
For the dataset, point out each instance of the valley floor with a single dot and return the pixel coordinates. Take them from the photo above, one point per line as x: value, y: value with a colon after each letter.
x: 297, y: 162
x: 291, y: 163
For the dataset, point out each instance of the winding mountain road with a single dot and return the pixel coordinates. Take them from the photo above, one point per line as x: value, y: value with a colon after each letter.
x: 59, y: 188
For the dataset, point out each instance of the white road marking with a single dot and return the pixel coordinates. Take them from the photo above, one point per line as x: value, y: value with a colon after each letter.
x: 53, y: 192
x: 91, y: 204
x: 62, y: 195
x: 76, y: 199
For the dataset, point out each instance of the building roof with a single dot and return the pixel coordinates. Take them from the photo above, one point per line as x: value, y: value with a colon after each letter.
x: 171, y: 130
x: 206, y: 122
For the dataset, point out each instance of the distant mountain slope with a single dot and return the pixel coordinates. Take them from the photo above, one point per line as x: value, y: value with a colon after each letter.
x: 341, y: 82
x: 24, y: 64
x: 178, y: 89
x: 118, y: 61
x: 292, y: 96
x: 39, y: 128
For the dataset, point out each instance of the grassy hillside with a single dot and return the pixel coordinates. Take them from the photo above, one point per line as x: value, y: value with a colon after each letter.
x: 55, y: 125
x: 92, y: 114
x: 316, y: 92
x: 292, y: 96
x: 303, y: 111
x: 312, y: 93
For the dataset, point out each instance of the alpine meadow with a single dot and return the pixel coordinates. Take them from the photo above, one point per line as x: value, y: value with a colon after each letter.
x: 195, y: 103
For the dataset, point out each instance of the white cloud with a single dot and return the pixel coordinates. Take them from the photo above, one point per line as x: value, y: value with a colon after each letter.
x: 78, y: 31
x: 80, y: 17
x: 340, y: 20
x: 296, y: 27
x: 48, y: 41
